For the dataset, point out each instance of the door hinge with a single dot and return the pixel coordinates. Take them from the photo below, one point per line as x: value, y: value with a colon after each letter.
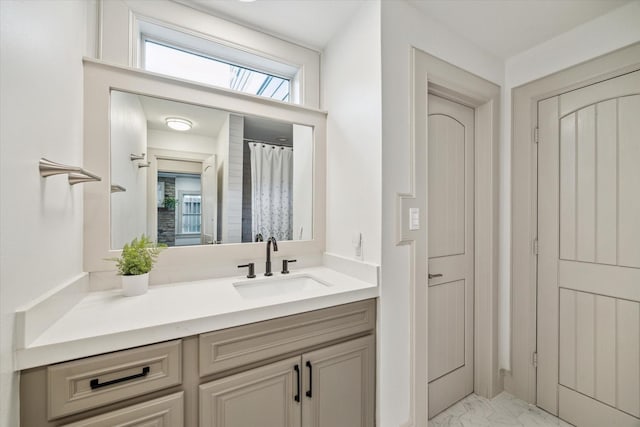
x: 534, y: 359
x: 536, y: 246
x: 536, y: 135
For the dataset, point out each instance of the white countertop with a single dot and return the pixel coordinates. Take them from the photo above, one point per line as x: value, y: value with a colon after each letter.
x: 107, y: 321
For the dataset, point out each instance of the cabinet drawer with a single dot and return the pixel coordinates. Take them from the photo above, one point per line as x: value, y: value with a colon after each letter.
x: 242, y: 345
x: 97, y: 381
x: 165, y: 411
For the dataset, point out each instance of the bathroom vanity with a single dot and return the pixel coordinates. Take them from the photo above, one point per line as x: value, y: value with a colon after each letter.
x: 310, y: 369
x: 230, y: 355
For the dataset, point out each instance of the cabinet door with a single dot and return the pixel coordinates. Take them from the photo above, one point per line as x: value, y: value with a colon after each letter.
x: 262, y: 397
x: 339, y: 385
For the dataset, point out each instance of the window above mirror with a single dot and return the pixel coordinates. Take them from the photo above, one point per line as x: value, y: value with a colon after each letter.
x: 171, y: 52
x: 126, y: 24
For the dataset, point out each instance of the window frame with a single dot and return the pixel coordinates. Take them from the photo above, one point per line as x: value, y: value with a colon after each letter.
x: 218, y: 50
x: 190, y: 51
x: 180, y: 213
x: 122, y: 21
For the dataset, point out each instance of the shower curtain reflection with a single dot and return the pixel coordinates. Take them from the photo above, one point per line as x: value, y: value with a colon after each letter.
x: 271, y: 190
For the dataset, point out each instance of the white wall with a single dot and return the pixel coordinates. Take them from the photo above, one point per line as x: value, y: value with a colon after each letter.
x: 128, y: 136
x: 352, y: 95
x: 233, y: 186
x: 404, y: 26
x: 222, y: 155
x: 42, y: 45
x: 609, y: 32
x: 302, y: 182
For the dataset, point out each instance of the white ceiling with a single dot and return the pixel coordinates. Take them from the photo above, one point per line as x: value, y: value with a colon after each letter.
x: 507, y: 27
x: 501, y: 27
x: 209, y: 121
x: 311, y: 23
x: 268, y: 130
x: 205, y: 121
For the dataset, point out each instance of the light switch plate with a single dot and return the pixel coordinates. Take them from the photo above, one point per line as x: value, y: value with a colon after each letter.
x: 414, y: 219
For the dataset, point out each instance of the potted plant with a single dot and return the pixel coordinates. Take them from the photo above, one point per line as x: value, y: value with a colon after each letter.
x: 169, y: 203
x: 135, y: 263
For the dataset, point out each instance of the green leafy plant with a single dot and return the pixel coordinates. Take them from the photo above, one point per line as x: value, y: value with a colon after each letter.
x: 138, y: 257
x: 169, y: 202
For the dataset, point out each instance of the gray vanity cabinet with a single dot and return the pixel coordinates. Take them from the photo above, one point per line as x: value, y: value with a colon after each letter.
x: 329, y: 387
x: 311, y: 369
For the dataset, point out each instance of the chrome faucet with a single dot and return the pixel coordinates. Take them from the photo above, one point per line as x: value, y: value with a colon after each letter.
x: 267, y: 268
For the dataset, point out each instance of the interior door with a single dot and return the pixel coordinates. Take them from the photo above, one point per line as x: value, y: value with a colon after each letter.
x: 589, y: 254
x: 450, y: 240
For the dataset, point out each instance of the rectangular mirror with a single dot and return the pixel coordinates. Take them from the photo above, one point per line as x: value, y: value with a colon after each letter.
x: 192, y: 188
x: 190, y: 175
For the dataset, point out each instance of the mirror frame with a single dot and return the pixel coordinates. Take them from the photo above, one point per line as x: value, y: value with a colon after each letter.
x: 184, y: 262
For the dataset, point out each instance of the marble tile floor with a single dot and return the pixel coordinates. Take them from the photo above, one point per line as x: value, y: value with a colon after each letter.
x: 504, y: 410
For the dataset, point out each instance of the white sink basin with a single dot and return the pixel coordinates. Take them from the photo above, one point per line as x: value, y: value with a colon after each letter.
x: 277, y: 286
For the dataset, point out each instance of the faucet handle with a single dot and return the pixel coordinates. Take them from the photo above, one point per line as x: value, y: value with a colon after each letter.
x: 285, y: 265
x: 252, y: 270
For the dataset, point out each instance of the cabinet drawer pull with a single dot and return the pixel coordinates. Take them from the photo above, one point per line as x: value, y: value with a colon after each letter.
x: 309, y: 392
x: 95, y: 383
x: 297, y: 396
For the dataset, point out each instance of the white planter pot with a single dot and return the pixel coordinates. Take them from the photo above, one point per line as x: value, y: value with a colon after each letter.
x: 135, y: 285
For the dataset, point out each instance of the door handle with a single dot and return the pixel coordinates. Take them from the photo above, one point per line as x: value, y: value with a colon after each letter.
x: 95, y: 383
x: 434, y: 276
x: 309, y: 392
x: 297, y: 396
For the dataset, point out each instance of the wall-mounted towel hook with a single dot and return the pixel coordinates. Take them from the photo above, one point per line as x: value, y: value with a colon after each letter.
x: 78, y: 178
x: 75, y: 174
x: 134, y: 157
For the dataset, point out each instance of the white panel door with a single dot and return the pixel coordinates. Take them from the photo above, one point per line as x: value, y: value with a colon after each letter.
x: 450, y: 239
x: 589, y: 254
